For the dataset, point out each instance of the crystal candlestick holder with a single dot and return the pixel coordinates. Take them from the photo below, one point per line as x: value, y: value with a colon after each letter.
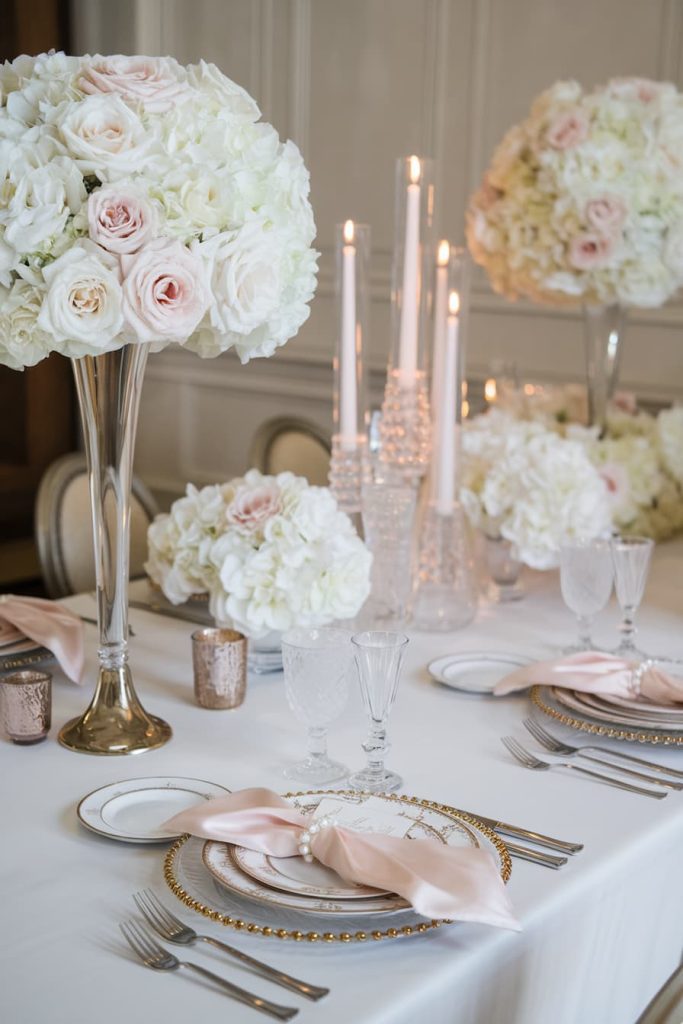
x: 446, y: 595
x: 406, y: 425
x: 388, y: 510
x: 346, y: 473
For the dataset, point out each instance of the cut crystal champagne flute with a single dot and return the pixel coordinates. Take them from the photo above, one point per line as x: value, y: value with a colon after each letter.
x: 317, y: 665
x: 379, y: 659
x: 631, y: 556
x: 586, y: 576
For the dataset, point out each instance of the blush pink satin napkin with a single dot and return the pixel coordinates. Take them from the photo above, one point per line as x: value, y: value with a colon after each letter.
x: 595, y: 672
x: 439, y: 881
x: 49, y: 624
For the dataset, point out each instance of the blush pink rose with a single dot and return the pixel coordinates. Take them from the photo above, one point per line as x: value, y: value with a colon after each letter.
x: 590, y: 251
x: 253, y: 506
x: 165, y: 294
x: 567, y: 130
x: 155, y: 82
x: 606, y: 213
x: 121, y: 220
x: 643, y: 89
x: 626, y: 402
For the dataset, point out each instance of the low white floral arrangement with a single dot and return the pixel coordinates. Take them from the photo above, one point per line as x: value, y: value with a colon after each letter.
x: 532, y: 471
x: 583, y: 201
x: 143, y: 201
x: 272, y: 552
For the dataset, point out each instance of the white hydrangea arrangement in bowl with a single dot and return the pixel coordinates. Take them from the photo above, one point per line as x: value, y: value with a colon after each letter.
x: 272, y: 552
x: 144, y: 202
x: 583, y: 200
x: 524, y: 483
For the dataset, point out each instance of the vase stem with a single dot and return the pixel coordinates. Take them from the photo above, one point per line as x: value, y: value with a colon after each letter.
x: 604, y: 329
x: 108, y: 389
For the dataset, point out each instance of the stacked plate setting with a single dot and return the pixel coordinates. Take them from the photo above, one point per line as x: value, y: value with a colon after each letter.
x: 17, y: 651
x: 633, y: 713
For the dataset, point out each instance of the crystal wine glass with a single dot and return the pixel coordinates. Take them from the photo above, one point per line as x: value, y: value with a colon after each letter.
x: 379, y: 658
x: 586, y: 575
x: 317, y: 665
x: 631, y: 556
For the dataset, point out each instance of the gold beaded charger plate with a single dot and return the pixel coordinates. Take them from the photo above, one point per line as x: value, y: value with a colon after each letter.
x: 191, y: 882
x: 587, y: 703
x: 21, y: 652
x: 585, y: 720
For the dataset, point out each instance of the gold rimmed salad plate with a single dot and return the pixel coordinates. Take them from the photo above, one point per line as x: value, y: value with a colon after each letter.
x: 603, y: 711
x: 294, y: 875
x: 133, y: 811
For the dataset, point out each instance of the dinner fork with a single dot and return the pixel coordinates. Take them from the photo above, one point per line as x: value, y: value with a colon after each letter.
x: 529, y: 760
x: 173, y: 929
x: 568, y: 749
x: 557, y: 747
x: 159, y: 959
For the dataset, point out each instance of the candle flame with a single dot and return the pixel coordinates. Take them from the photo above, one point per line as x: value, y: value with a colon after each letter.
x: 529, y: 389
x: 465, y: 409
x: 453, y: 304
x: 464, y: 388
x: 415, y: 169
x: 490, y: 390
x: 444, y: 253
x: 349, y: 231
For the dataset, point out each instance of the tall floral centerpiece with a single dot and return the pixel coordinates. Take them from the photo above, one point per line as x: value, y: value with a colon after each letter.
x: 141, y: 203
x: 582, y: 205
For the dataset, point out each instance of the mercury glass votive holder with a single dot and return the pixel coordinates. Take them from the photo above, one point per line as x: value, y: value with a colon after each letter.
x: 26, y: 700
x: 219, y: 660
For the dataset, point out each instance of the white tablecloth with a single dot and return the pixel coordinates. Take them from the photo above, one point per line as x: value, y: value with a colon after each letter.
x: 598, y: 938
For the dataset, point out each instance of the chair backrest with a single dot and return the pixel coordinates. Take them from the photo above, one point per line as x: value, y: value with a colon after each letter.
x: 63, y: 527
x: 297, y: 445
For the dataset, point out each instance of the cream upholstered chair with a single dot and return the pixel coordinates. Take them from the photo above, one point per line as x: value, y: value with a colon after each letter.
x: 297, y: 445
x: 63, y: 527
x: 667, y: 1005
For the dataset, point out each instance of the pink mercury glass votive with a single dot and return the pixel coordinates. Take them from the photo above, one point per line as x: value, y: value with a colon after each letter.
x: 219, y: 659
x: 26, y: 701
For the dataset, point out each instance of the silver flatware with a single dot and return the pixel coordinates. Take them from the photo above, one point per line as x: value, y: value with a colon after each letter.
x: 557, y: 747
x: 529, y: 760
x: 172, y: 929
x: 517, y: 832
x: 569, y: 749
x: 159, y: 959
x: 169, y: 613
x: 546, y: 860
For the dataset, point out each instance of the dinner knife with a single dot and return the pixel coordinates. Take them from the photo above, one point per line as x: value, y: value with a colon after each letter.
x: 546, y: 860
x: 171, y: 613
x: 523, y: 833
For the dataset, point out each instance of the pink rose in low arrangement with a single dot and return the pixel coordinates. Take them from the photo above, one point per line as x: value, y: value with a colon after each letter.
x: 165, y: 294
x: 253, y: 505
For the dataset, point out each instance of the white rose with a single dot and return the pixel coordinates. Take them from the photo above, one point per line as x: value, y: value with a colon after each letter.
x: 103, y: 135
x: 83, y: 304
x: 245, y: 277
x: 221, y: 93
x: 22, y: 341
x: 42, y: 202
x: 194, y: 199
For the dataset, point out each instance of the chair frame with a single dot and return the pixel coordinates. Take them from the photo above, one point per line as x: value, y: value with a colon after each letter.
x: 53, y: 485
x: 268, y: 432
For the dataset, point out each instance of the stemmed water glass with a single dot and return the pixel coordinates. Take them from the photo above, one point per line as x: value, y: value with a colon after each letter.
x: 631, y: 557
x: 317, y: 665
x: 379, y: 658
x: 586, y: 575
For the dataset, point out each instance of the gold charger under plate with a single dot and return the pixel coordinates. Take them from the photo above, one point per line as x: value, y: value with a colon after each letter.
x: 660, y: 737
x: 240, y: 924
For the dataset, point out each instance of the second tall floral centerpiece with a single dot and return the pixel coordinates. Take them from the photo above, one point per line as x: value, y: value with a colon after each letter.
x: 145, y: 204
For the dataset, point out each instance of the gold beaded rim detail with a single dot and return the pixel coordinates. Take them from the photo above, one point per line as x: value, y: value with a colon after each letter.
x: 613, y: 732
x: 329, y: 937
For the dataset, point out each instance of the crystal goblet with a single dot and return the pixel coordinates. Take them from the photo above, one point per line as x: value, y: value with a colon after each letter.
x: 379, y: 658
x: 317, y: 664
x: 631, y: 557
x: 586, y: 576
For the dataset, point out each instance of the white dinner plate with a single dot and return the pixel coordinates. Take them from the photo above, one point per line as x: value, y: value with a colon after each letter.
x: 293, y: 874
x: 133, y: 811
x: 411, y: 820
x: 475, y: 671
x: 642, y: 704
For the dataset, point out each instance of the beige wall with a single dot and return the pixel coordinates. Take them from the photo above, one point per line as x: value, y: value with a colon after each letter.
x: 356, y: 83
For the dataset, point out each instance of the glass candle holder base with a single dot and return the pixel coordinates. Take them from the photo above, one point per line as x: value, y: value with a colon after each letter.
x: 316, y: 771
x: 504, y: 571
x: 446, y: 595
x: 406, y: 425
x: 264, y: 654
x: 346, y: 472
x: 504, y: 593
x: 368, y: 781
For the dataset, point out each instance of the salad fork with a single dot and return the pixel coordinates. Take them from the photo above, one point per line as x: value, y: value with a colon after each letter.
x: 566, y: 748
x: 529, y: 760
x: 174, y: 930
x: 557, y: 747
x: 159, y: 959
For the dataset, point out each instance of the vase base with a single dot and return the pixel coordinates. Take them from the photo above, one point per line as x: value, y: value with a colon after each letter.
x: 114, y: 731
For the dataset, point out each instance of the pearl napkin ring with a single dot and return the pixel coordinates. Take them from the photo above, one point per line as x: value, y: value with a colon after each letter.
x: 309, y: 834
